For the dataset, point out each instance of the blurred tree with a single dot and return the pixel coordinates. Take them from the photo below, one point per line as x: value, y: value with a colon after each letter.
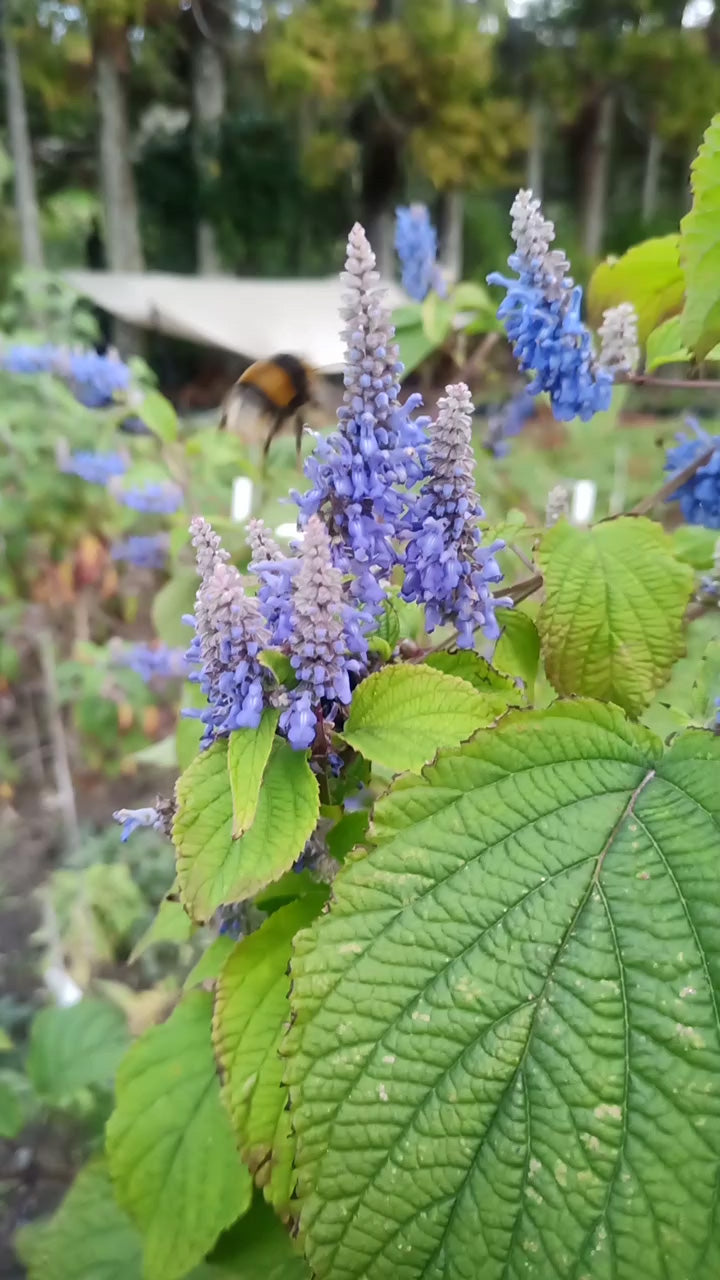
x: 671, y: 88
x: 26, y: 203
x: 397, y: 89
x: 208, y: 25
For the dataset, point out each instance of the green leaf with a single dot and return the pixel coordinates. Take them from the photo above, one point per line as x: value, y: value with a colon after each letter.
x: 700, y: 248
x: 17, y: 1102
x: 171, y: 924
x: 257, y: 1248
x: 74, y: 1047
x: 649, y: 275
x: 251, y: 1010
x: 170, y: 1147
x: 88, y: 1237
x: 281, y: 667
x: 518, y: 649
x: 294, y: 884
x: 437, y: 317
x: 248, y: 754
x: 407, y: 317
x: 377, y: 645
x: 505, y: 1053
x: 471, y: 296
x: 401, y: 715
x: 469, y: 666
x: 6, y: 1044
x: 389, y: 624
x: 414, y: 347
x: 171, y: 602
x: 615, y: 597
x: 210, y: 965
x: 212, y: 867
x: 694, y: 545
x: 665, y: 345
x: 158, y: 414
x: 348, y: 832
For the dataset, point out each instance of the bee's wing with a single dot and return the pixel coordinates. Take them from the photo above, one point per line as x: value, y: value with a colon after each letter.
x: 242, y: 415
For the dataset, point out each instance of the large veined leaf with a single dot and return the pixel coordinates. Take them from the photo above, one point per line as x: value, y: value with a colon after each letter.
x: 251, y: 1012
x: 649, y: 275
x: 700, y: 248
x: 170, y: 1147
x: 88, y: 1238
x: 401, y: 715
x: 505, y: 1058
x: 213, y: 867
x: 615, y: 597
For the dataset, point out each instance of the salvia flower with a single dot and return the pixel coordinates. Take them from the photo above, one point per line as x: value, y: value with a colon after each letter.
x: 447, y: 570
x: 162, y: 498
x: 275, y: 572
x: 416, y: 247
x: 361, y: 474
x: 699, y: 497
x: 619, y: 344
x: 147, y: 551
x: 507, y: 422
x: 95, y: 380
x: 26, y: 358
x: 327, y: 644
x: 131, y: 819
x: 542, y: 318
x: 557, y: 506
x: 152, y: 662
x: 230, y: 633
x: 95, y: 468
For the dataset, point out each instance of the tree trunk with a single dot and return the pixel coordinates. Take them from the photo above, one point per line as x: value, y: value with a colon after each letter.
x: 117, y: 181
x: 535, y: 156
x: 208, y: 102
x: 26, y: 204
x: 122, y: 222
x: 451, y: 257
x: 651, y: 179
x: 597, y: 170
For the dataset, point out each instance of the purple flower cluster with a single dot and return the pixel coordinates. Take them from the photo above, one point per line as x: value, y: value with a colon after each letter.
x: 542, y: 318
x: 508, y: 421
x: 274, y: 571
x: 326, y: 639
x: 699, y: 497
x: 162, y: 498
x: 416, y: 247
x: 230, y: 634
x: 152, y: 662
x: 361, y: 475
x: 94, y: 468
x: 147, y: 551
x: 447, y: 570
x: 94, y: 379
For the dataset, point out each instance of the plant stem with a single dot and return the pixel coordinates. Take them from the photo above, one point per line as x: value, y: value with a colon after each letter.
x: 666, y: 490
x: 61, y: 760
x: 672, y: 384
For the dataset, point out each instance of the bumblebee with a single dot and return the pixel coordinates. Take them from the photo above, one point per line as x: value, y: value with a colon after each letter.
x: 279, y: 389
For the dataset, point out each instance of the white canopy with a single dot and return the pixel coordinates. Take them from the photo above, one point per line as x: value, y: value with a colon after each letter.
x: 254, y: 318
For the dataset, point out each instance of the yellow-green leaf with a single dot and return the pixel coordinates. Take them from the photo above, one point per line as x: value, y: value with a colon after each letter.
x: 248, y: 754
x: 611, y: 624
x: 401, y: 715
x: 170, y: 1146
x: 649, y: 275
x: 251, y: 1011
x: 700, y: 248
x: 213, y: 868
